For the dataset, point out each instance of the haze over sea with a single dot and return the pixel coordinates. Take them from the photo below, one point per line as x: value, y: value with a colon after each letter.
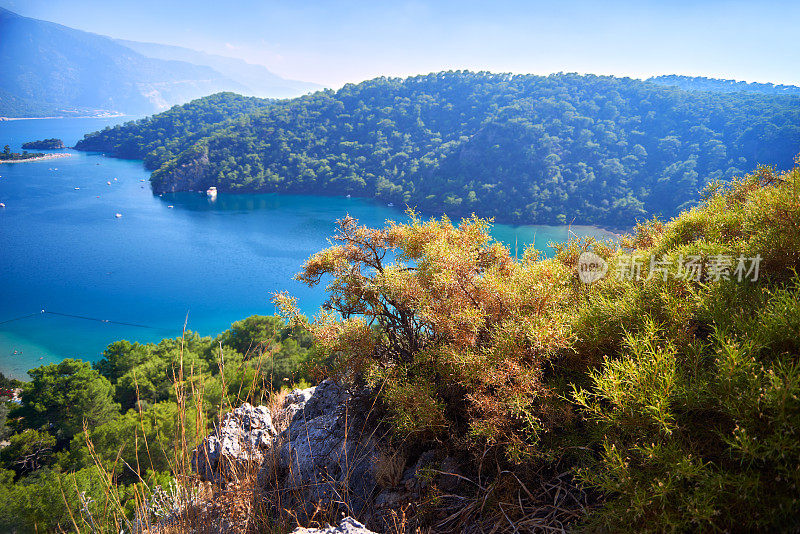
x: 62, y: 250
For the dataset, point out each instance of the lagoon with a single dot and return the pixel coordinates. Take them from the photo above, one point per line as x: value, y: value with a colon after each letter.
x: 167, y: 260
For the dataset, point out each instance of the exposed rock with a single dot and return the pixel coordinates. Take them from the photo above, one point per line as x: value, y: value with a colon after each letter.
x: 321, y: 465
x: 450, y: 475
x: 325, y: 457
x: 187, y: 173
x: 240, y: 441
x: 347, y: 526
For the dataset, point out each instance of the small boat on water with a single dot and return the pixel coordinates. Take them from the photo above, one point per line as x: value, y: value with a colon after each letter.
x: 348, y: 196
x: 390, y: 204
x: 77, y: 189
x: 211, y: 192
x: 117, y: 215
x: 170, y: 207
x: 108, y: 183
x: 2, y: 205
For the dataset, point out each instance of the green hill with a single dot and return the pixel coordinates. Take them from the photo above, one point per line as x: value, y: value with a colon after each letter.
x: 520, y: 148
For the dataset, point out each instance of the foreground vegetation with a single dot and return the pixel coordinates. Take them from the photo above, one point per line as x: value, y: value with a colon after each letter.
x: 90, y: 443
x: 669, y: 394
x: 676, y: 398
x: 522, y: 148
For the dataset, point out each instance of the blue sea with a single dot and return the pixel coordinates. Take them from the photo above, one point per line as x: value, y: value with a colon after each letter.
x: 167, y: 260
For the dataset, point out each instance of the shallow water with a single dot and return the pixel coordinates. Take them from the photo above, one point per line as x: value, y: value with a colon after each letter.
x: 62, y: 250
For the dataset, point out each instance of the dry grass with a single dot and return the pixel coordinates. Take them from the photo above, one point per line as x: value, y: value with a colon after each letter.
x: 509, y: 505
x: 280, y: 418
x: 388, y: 467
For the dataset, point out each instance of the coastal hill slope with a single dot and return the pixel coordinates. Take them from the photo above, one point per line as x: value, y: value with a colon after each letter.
x: 50, y: 69
x: 520, y: 148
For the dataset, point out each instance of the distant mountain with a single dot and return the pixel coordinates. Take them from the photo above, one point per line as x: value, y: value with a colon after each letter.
x: 49, y: 69
x: 716, y: 85
x: 258, y: 80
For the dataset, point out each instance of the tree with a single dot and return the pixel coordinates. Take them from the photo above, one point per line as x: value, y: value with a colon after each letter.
x: 61, y: 396
x: 120, y: 357
x: 28, y: 451
x: 4, y: 430
x: 442, y: 319
x: 6, y: 150
x: 142, y: 440
x: 252, y: 336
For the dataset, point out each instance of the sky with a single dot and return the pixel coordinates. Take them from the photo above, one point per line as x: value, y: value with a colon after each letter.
x: 334, y: 42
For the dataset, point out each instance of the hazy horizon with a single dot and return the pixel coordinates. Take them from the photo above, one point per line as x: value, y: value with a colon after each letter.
x: 332, y: 44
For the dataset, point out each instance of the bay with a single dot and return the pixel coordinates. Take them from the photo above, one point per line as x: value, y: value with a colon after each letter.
x: 167, y: 260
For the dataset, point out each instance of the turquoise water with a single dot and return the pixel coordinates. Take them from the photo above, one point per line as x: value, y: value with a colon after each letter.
x: 63, y: 250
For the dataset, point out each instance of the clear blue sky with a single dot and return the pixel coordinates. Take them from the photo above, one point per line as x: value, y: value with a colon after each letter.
x: 333, y: 42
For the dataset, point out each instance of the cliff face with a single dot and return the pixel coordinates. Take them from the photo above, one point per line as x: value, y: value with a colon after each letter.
x: 188, y: 173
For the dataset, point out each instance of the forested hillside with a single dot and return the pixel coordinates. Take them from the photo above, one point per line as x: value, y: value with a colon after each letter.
x: 159, y: 138
x: 520, y: 148
x: 702, y: 83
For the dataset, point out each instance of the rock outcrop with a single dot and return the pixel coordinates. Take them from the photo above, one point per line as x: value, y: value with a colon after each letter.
x: 325, y: 457
x: 322, y: 463
x: 239, y: 444
x: 348, y: 525
x: 189, y: 172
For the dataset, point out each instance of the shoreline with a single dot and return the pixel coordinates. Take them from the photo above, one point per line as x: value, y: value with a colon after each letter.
x: 111, y: 116
x: 41, y: 158
x: 617, y: 232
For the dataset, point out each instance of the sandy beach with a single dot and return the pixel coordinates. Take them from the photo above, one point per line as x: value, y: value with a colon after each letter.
x: 42, y: 158
x: 101, y: 116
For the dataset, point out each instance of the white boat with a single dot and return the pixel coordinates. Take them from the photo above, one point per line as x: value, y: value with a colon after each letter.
x: 77, y: 189
x: 170, y: 207
x: 390, y: 204
x: 2, y: 205
x: 117, y: 215
x: 348, y: 196
x: 211, y: 192
x: 108, y: 183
